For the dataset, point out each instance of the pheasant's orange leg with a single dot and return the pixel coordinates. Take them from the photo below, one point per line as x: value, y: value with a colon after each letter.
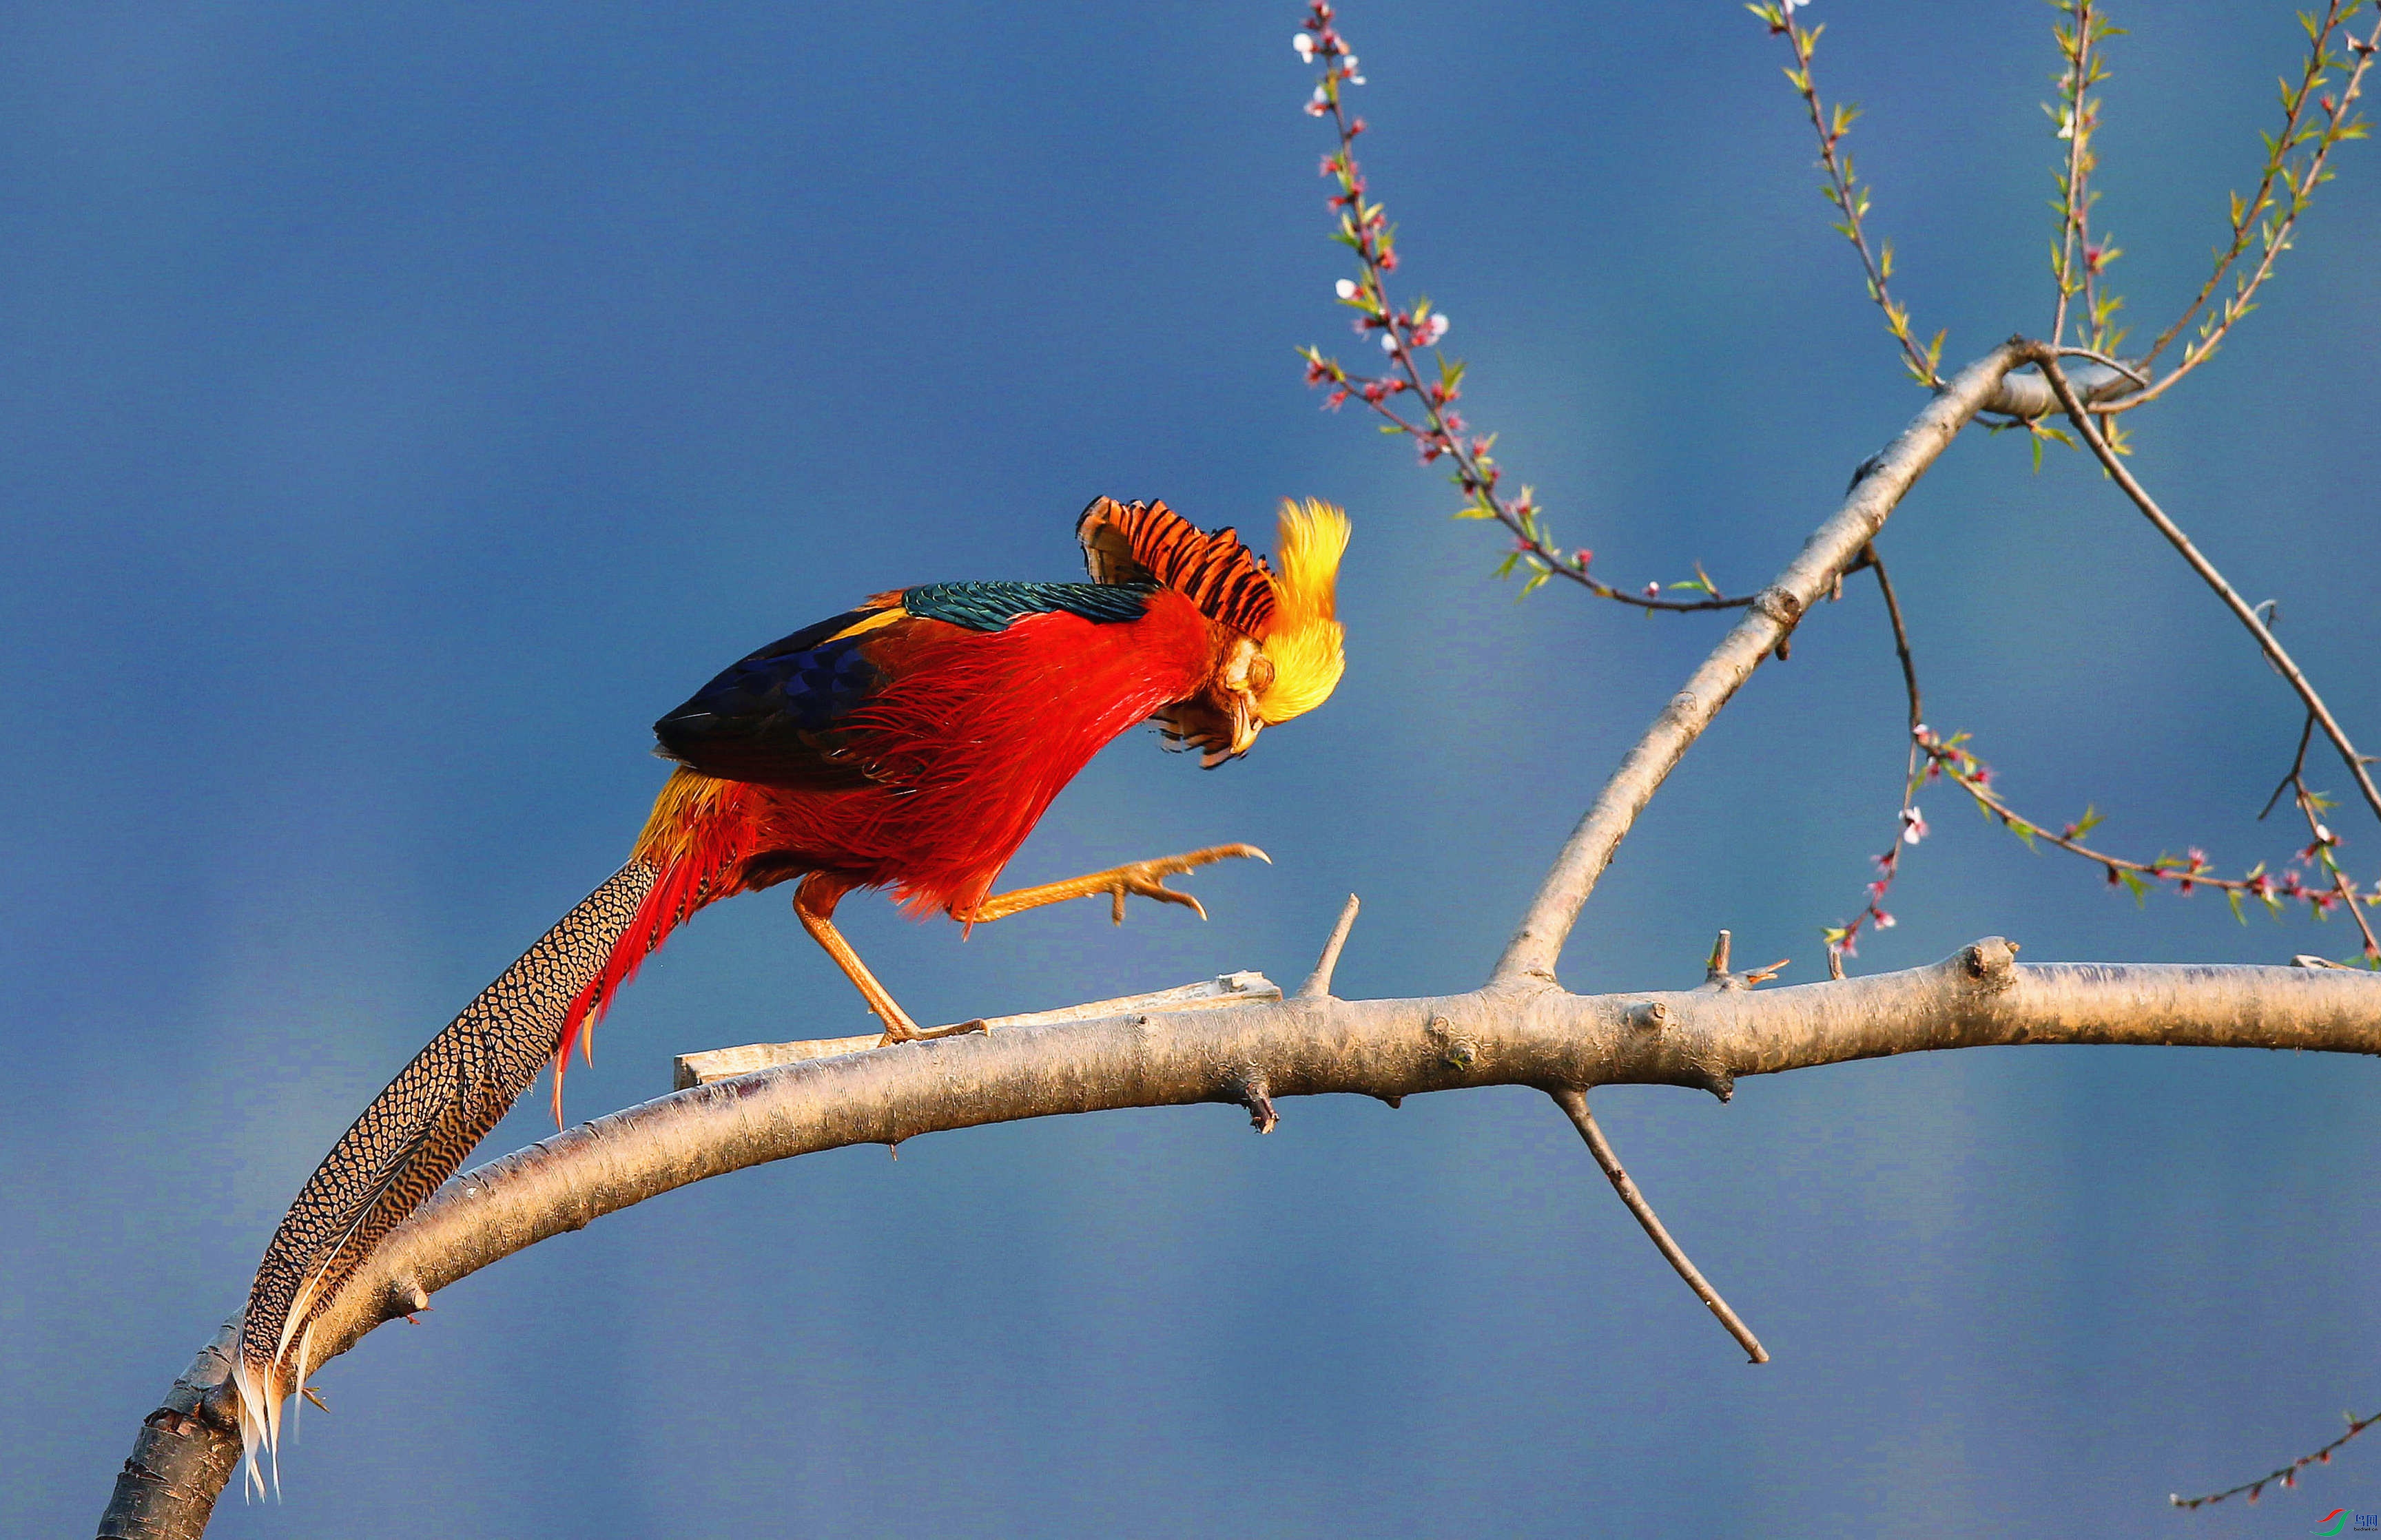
x: 814, y: 902
x: 1145, y: 878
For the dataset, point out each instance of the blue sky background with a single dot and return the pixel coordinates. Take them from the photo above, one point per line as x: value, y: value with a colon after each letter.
x: 401, y: 405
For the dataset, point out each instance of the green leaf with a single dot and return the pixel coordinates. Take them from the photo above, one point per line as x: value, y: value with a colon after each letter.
x: 2132, y: 880
x: 2232, y: 897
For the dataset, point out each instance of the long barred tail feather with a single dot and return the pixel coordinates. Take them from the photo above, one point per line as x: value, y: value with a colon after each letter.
x: 411, y: 1138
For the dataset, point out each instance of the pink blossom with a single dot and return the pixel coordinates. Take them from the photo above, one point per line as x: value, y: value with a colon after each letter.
x: 1345, y: 288
x: 1430, y: 331
x: 1305, y: 44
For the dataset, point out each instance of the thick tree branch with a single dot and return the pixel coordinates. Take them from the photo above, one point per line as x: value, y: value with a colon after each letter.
x: 1386, y: 1049
x: 1776, y: 611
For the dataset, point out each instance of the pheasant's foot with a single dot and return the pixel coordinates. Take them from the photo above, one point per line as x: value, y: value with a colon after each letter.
x: 1145, y: 878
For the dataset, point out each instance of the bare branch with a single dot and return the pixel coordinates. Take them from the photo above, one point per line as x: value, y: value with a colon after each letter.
x: 2281, y: 659
x: 1574, y: 1104
x: 1386, y: 1049
x: 1318, y: 983
x: 726, y: 1063
x: 1536, y: 946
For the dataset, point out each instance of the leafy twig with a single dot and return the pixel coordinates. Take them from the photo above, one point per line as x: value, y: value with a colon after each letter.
x: 2287, y: 1475
x: 1437, y: 427
x: 2270, y: 215
x: 2313, y: 804
x: 2075, y: 260
x: 1842, y: 187
x: 1949, y: 759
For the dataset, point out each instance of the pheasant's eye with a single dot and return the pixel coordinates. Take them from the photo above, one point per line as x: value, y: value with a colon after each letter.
x: 1260, y: 674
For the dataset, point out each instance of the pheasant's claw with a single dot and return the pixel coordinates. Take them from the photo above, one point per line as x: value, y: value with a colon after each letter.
x: 316, y: 1397
x: 1151, y: 887
x: 1147, y: 877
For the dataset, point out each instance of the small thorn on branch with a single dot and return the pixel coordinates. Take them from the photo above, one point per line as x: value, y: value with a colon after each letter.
x: 1718, y: 976
x: 1574, y: 1104
x: 1318, y: 983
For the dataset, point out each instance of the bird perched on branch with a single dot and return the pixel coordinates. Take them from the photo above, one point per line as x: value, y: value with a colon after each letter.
x: 911, y: 743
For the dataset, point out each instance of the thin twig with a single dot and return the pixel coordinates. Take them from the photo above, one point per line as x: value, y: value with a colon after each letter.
x: 1842, y: 189
x: 1843, y: 940
x: 2076, y: 262
x: 2297, y: 188
x: 2310, y: 803
x: 1406, y: 335
x: 1958, y: 765
x: 2104, y: 361
x: 1574, y: 1104
x: 2047, y: 361
x: 2286, y: 1475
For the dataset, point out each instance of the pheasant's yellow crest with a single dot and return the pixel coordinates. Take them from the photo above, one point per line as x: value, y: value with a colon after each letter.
x: 1305, y: 643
